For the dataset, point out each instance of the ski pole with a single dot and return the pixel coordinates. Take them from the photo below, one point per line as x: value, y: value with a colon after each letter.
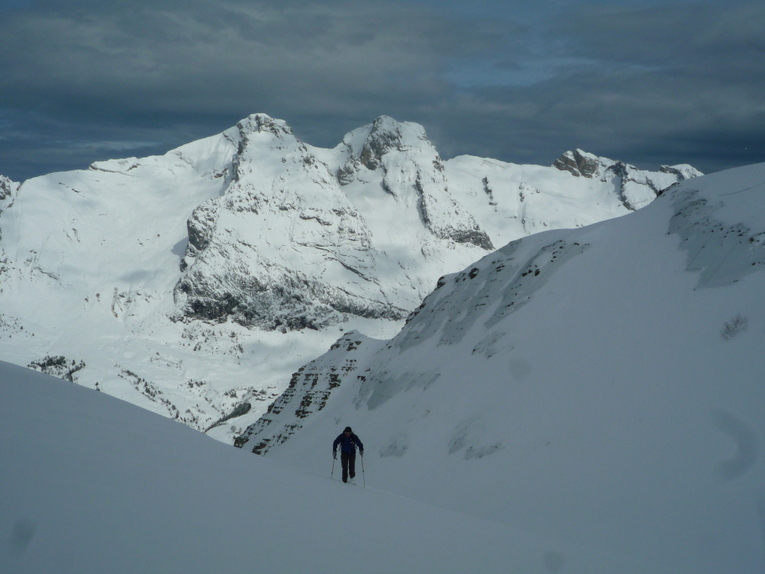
x: 363, y: 478
x: 334, y: 457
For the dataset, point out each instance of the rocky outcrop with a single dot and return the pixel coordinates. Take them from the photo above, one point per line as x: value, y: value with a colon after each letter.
x: 681, y: 171
x: 386, y: 135
x: 200, y: 226
x: 579, y: 163
x: 636, y: 188
x: 308, y: 392
x: 8, y: 189
x: 58, y: 366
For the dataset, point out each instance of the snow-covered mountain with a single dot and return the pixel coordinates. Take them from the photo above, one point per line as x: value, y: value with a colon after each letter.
x: 601, y: 385
x: 195, y: 283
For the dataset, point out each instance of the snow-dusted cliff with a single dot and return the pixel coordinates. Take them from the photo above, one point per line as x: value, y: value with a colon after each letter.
x: 201, y: 279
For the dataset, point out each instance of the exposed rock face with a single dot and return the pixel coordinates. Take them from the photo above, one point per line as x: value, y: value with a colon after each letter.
x: 636, y: 187
x: 681, y: 171
x: 6, y: 185
x: 8, y: 189
x: 579, y: 163
x: 201, y: 226
x: 285, y: 248
x: 408, y: 162
x: 308, y: 392
x: 386, y: 136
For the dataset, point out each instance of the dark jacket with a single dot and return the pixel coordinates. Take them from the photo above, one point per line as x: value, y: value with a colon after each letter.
x: 348, y: 444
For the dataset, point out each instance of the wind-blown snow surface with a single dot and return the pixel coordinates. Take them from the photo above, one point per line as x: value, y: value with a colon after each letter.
x: 602, y: 385
x: 197, y: 282
x: 93, y: 484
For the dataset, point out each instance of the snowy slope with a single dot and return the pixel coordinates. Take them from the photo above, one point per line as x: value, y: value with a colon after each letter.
x: 601, y: 385
x: 195, y: 283
x: 93, y: 484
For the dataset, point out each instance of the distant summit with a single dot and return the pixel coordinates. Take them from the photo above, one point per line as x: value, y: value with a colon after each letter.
x: 636, y: 187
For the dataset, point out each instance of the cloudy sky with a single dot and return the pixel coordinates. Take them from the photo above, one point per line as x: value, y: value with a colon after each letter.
x: 648, y: 82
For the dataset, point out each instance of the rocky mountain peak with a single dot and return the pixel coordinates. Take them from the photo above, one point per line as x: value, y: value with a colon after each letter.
x: 263, y: 123
x: 579, y: 162
x: 387, y: 134
x: 261, y: 136
x: 411, y: 170
x: 681, y: 171
x: 636, y: 187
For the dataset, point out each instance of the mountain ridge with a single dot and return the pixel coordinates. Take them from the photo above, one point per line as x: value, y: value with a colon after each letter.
x: 203, y: 278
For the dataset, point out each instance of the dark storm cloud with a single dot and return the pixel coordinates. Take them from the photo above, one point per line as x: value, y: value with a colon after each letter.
x: 669, y: 84
x: 642, y: 81
x: 153, y: 58
x: 144, y: 70
x: 672, y: 34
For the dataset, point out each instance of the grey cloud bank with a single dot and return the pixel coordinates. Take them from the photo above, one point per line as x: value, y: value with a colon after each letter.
x: 641, y: 81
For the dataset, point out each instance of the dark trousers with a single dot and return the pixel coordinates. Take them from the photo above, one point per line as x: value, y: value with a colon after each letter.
x: 348, y: 459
